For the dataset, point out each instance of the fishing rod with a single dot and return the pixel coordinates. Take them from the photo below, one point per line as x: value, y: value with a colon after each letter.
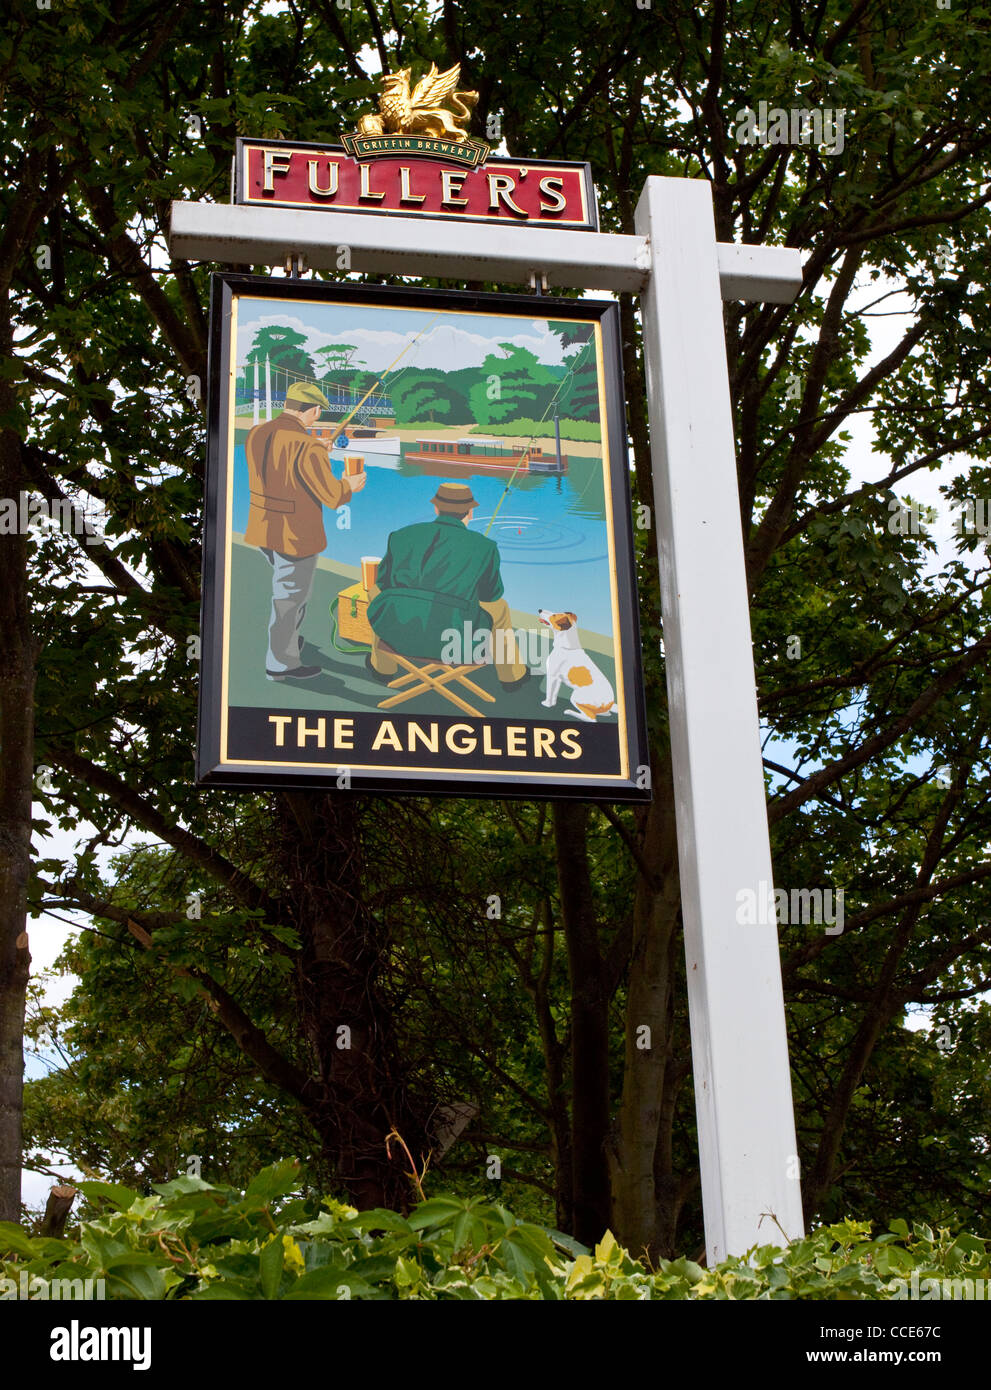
x: 524, y: 457
x: 344, y: 423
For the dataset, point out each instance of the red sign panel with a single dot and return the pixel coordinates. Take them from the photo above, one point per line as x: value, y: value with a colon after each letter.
x: 534, y: 193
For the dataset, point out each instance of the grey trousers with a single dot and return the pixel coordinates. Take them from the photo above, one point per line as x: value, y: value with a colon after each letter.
x: 292, y: 580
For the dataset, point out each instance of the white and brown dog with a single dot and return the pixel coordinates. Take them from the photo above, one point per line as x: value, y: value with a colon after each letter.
x: 567, y: 664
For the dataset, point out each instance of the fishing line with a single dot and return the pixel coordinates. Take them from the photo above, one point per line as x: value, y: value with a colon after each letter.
x: 524, y: 457
x: 389, y: 368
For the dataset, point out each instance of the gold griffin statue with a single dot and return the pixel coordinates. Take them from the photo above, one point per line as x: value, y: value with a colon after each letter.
x: 420, y: 112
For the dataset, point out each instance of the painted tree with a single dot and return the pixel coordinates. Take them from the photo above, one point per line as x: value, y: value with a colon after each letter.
x: 282, y: 348
x: 428, y: 395
x: 338, y: 356
x: 338, y: 361
x: 578, y: 393
x: 512, y: 385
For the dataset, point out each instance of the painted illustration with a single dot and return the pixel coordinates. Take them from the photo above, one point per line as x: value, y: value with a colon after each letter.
x: 419, y: 531
x: 290, y: 482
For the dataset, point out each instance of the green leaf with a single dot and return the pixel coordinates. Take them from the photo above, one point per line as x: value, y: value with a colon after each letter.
x: 568, y: 1243
x: 270, y: 1261
x: 135, y: 1280
x: 226, y: 1291
x: 436, y: 1212
x: 181, y: 1187
x: 330, y: 1282
x: 688, y: 1269
x: 407, y: 1273
x: 115, y: 1193
x: 377, y: 1219
x: 274, y: 1181
x: 101, y: 1248
x: 607, y: 1248
x: 374, y: 1269
x: 15, y: 1242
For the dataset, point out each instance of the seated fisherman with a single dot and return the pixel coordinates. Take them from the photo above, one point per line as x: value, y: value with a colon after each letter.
x: 437, y: 576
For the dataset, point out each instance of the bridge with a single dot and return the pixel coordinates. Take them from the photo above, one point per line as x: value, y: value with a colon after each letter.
x: 263, y: 387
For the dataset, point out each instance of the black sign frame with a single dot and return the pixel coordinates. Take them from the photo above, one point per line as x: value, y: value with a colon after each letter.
x: 626, y: 777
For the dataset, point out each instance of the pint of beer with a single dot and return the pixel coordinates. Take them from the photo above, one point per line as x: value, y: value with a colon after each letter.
x: 369, y: 570
x: 353, y: 465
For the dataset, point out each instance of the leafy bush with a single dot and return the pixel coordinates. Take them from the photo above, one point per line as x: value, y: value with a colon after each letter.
x: 190, y: 1240
x: 542, y: 429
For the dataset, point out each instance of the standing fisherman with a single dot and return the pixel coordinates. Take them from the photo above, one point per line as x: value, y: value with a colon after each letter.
x: 291, y: 481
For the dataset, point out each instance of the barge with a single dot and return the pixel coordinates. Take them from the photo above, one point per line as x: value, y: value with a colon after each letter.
x: 478, y: 452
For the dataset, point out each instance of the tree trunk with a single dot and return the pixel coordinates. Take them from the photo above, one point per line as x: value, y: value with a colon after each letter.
x: 589, y: 1028
x: 555, y: 1053
x: 57, y: 1209
x: 647, y: 1193
x: 17, y: 668
x: 359, y: 1093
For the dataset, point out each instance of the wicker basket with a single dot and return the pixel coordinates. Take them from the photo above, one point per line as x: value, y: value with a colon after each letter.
x: 352, y: 614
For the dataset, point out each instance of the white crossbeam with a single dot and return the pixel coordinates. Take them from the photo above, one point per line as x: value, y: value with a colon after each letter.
x: 457, y: 250
x: 769, y: 273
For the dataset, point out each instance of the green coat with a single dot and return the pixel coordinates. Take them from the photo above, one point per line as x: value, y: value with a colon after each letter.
x: 431, y: 579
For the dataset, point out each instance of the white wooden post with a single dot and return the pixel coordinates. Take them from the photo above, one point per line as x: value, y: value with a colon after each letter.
x: 750, y: 1188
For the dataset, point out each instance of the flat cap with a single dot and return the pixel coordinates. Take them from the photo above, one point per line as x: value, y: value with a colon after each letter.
x: 305, y: 393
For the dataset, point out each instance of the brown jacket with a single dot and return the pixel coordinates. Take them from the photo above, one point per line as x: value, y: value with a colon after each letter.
x: 289, y: 475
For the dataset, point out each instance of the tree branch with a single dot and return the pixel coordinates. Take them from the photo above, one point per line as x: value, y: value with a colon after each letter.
x: 133, y: 804
x: 783, y: 806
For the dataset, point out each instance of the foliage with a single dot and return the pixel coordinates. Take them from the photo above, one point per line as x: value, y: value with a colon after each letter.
x: 428, y: 395
x: 511, y: 386
x: 140, y: 1106
x: 282, y: 347
x: 578, y: 394
x: 188, y: 1239
x: 870, y: 648
x: 337, y: 357
x: 544, y: 429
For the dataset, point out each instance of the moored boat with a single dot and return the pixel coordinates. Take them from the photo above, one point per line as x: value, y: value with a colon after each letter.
x: 479, y: 452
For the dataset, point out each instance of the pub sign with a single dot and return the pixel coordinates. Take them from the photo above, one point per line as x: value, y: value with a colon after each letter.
x: 418, y: 561
x: 414, y: 157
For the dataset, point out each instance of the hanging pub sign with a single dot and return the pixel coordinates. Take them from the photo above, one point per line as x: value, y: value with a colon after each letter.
x: 418, y: 563
x: 413, y: 159
x: 418, y: 568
